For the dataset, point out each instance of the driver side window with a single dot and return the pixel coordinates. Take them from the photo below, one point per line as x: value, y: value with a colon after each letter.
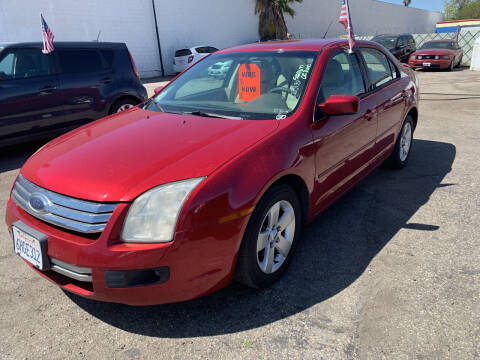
x: 24, y: 63
x: 342, y: 77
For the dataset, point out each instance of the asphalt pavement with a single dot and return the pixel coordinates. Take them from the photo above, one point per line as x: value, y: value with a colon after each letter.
x: 391, y: 271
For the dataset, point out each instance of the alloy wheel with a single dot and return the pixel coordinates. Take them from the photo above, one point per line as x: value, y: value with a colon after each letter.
x: 276, y: 236
x: 405, y: 141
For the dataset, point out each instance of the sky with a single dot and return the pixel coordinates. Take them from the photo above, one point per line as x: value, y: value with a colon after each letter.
x: 436, y: 5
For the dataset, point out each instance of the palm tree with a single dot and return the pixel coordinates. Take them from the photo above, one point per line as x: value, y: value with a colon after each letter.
x: 407, y: 2
x: 271, y: 21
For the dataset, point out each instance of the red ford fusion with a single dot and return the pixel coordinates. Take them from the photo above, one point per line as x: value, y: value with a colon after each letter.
x: 213, y: 178
x: 437, y: 54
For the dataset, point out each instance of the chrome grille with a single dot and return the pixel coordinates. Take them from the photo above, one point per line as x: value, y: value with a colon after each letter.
x: 64, y: 211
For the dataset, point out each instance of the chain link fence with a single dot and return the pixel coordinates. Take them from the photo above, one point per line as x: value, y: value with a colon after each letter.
x: 466, y: 39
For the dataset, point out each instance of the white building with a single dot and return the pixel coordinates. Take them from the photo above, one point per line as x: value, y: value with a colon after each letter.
x: 186, y: 23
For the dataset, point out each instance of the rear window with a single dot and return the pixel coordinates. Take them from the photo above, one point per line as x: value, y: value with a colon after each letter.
x: 183, y: 52
x: 80, y: 60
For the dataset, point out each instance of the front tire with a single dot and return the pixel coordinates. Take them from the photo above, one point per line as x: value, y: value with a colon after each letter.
x: 399, y: 158
x: 452, y: 65
x: 270, y: 238
x: 459, y: 63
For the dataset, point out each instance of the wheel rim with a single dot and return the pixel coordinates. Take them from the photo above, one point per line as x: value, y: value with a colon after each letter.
x: 405, y: 141
x: 275, y: 237
x: 124, y: 107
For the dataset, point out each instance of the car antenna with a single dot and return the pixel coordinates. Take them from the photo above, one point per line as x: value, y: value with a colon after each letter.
x: 98, y: 36
x: 328, y: 28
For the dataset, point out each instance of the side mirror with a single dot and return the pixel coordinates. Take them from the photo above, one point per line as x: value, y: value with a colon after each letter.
x: 340, y: 105
x: 158, y: 89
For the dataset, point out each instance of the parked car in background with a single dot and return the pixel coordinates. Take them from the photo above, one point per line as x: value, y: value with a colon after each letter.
x: 437, y: 54
x: 210, y: 181
x: 185, y: 57
x: 219, y: 70
x: 43, y: 95
x: 401, y: 46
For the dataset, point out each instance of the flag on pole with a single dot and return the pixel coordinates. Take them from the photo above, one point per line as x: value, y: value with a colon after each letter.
x: 47, y: 37
x: 346, y: 21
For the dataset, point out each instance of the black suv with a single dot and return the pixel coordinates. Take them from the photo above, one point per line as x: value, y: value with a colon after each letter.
x: 43, y: 95
x: 401, y: 46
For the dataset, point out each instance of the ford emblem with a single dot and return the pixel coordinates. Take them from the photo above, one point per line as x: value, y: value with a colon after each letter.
x: 39, y: 203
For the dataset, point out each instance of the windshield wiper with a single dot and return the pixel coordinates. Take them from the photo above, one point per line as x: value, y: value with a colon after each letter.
x: 212, y: 115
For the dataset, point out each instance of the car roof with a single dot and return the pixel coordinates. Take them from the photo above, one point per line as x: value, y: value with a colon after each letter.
x: 292, y: 45
x: 307, y: 44
x: 65, y: 44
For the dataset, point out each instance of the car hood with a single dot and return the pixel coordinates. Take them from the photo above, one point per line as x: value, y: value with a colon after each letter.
x: 121, y: 156
x: 434, y: 52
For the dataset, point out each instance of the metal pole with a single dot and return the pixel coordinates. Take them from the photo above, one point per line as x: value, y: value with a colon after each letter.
x: 158, y: 38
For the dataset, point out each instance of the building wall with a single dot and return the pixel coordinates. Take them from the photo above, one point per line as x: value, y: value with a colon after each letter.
x: 186, y: 23
x: 126, y: 21
x: 369, y: 17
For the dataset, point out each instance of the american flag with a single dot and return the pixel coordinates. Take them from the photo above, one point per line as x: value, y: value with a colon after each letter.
x: 47, y: 37
x: 346, y: 21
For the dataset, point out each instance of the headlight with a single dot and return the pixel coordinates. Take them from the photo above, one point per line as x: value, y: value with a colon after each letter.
x: 420, y: 57
x: 445, y: 57
x: 412, y: 57
x: 153, y: 215
x: 437, y: 57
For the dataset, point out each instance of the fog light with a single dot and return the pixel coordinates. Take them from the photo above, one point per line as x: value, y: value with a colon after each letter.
x: 131, y: 278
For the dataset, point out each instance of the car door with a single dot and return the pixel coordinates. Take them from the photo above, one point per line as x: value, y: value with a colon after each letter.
x: 388, y: 95
x: 343, y: 143
x: 29, y: 101
x: 85, y: 80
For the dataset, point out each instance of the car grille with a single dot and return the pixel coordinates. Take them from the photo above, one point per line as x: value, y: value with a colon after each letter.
x: 427, y: 57
x: 60, y: 210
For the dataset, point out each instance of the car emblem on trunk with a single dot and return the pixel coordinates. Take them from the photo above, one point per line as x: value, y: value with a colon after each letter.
x: 39, y: 203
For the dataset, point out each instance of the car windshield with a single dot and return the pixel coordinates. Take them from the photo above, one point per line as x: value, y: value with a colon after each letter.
x: 438, y: 45
x: 387, y: 41
x: 243, y: 85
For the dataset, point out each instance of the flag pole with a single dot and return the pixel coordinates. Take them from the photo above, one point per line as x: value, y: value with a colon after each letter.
x: 349, y: 19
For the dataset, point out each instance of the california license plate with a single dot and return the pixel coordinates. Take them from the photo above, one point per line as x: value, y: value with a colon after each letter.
x: 427, y: 64
x: 29, y: 247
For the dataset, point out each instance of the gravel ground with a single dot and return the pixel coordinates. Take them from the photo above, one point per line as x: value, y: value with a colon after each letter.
x: 389, y: 271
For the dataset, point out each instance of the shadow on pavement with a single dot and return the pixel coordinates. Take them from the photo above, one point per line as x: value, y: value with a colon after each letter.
x: 14, y: 156
x: 336, y: 249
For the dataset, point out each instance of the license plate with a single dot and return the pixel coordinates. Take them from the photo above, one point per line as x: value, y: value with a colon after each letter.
x: 427, y: 64
x: 29, y: 247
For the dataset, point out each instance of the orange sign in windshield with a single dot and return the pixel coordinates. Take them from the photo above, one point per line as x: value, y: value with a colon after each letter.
x: 248, y: 82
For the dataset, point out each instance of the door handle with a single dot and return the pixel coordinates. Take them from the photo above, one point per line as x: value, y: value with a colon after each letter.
x: 47, y: 89
x: 106, y: 80
x: 369, y: 114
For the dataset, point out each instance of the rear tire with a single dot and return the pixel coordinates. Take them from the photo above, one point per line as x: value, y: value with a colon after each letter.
x: 270, y: 238
x: 403, y: 147
x: 123, y: 104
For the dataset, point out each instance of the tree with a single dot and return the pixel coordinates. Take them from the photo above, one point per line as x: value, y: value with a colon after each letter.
x: 271, y: 23
x: 470, y: 11
x: 407, y: 2
x: 453, y: 8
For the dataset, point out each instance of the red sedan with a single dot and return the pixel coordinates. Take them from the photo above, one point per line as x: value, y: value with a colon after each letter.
x: 438, y: 54
x: 213, y: 178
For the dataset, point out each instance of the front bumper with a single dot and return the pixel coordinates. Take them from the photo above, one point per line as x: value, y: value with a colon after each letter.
x: 199, y: 261
x: 434, y: 64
